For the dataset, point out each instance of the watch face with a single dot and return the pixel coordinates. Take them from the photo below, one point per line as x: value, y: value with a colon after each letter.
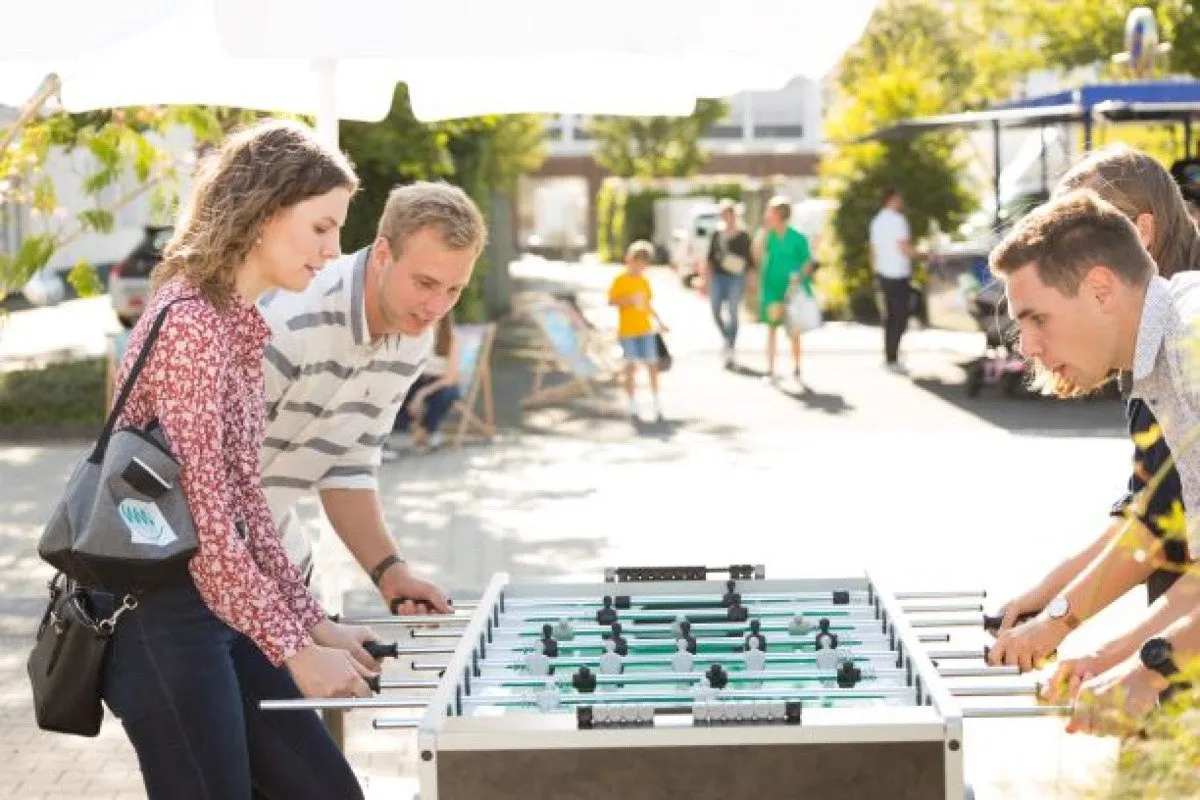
x: 1156, y: 652
x: 1058, y: 608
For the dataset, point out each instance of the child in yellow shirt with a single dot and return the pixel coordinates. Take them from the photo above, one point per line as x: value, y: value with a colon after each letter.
x: 630, y: 293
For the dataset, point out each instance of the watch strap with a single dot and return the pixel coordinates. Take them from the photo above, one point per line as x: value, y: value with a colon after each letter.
x: 383, y: 566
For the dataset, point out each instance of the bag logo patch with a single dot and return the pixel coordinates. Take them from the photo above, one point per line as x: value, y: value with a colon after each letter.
x: 146, y: 523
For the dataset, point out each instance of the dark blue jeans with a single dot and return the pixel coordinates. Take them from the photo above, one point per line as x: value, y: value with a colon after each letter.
x: 726, y: 292
x: 437, y: 405
x: 186, y: 687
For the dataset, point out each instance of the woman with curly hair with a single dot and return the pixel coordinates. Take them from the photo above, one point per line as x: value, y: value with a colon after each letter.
x: 188, y: 666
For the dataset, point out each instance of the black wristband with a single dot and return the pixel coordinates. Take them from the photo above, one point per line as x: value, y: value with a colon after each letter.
x: 383, y: 566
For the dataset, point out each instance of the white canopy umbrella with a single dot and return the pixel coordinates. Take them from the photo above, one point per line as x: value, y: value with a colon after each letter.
x: 474, y: 56
x: 459, y: 59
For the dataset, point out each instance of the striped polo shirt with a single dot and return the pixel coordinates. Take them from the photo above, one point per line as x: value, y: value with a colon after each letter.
x: 332, y: 394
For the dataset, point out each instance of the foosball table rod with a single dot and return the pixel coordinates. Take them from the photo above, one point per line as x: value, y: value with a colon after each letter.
x: 1017, y: 712
x: 396, y: 723
x: 341, y: 703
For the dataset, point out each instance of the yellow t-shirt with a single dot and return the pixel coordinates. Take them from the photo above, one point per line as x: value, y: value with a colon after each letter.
x: 635, y: 320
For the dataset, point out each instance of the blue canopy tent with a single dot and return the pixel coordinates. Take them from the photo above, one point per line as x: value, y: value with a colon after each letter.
x: 1160, y: 101
x: 1174, y: 100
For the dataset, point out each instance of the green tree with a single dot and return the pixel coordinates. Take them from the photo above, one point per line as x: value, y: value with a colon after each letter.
x: 395, y: 151
x: 1075, y: 33
x: 122, y: 144
x: 483, y: 155
x: 915, y: 59
x: 655, y: 147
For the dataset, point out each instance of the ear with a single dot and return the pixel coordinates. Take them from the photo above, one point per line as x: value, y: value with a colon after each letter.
x: 1145, y: 228
x: 1101, y: 285
x: 381, y: 253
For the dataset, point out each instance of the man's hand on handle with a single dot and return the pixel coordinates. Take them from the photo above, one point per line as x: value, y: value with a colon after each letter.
x: 405, y: 594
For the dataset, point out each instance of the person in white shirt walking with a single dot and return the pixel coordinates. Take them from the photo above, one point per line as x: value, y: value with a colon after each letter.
x: 891, y: 261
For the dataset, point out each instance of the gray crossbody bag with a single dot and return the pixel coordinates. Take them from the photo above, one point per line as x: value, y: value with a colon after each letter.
x: 123, y: 523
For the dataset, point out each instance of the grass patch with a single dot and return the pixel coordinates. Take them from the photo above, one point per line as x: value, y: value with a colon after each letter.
x: 65, y: 393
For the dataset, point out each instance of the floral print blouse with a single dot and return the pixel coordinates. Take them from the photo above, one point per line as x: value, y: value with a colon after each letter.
x: 203, y: 383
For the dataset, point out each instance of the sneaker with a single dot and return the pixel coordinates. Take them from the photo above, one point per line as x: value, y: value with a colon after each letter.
x: 434, y: 441
x: 897, y: 367
x: 727, y: 353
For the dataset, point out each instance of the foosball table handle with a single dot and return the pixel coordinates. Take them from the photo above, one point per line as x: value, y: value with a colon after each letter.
x: 992, y: 624
x: 379, y: 650
x: 394, y: 606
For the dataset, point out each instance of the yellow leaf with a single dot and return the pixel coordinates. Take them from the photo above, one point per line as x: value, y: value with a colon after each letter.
x: 1173, y: 524
x: 1147, y: 437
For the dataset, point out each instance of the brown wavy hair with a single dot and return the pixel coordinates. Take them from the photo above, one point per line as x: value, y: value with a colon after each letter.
x: 255, y: 173
x: 1137, y: 184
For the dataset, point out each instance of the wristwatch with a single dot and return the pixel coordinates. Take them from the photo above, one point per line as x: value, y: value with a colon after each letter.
x: 1060, y: 609
x: 1158, y: 655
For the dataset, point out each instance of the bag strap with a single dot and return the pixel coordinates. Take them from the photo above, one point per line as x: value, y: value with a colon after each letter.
x: 127, y: 387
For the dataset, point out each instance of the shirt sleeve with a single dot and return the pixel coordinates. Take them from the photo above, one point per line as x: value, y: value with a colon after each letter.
x: 187, y: 378
x: 615, y: 289
x: 272, y: 558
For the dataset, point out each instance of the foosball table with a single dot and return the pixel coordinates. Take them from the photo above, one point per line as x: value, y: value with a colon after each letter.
x: 697, y: 683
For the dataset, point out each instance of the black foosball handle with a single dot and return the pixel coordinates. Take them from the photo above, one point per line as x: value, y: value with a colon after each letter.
x: 379, y: 650
x: 992, y: 624
x: 394, y: 606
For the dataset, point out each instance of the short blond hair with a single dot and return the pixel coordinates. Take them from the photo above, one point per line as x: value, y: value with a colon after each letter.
x: 640, y: 250
x: 423, y: 204
x: 782, y: 205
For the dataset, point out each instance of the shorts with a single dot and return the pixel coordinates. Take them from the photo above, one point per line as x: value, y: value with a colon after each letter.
x: 643, y: 349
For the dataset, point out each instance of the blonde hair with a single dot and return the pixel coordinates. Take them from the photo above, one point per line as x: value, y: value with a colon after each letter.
x: 640, y: 250
x: 255, y: 174
x: 1137, y: 184
x: 417, y: 206
x: 782, y: 205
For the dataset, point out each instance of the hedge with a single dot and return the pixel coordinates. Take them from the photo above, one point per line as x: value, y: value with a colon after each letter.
x: 65, y: 393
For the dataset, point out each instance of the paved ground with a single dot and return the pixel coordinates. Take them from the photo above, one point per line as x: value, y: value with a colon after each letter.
x: 863, y: 469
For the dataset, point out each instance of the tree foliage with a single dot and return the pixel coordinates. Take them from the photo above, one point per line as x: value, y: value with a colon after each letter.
x: 128, y: 160
x: 483, y: 155
x: 915, y: 58
x: 655, y: 147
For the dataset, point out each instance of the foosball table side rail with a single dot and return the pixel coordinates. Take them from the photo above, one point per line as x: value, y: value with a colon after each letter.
x: 930, y: 687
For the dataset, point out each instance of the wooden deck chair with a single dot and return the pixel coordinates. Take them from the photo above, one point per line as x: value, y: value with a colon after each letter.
x: 564, y: 350
x: 475, y: 382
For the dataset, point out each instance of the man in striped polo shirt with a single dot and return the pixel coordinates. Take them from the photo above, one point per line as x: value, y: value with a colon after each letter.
x: 343, y: 355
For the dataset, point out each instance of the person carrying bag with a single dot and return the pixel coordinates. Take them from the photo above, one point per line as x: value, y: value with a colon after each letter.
x: 178, y: 607
x: 122, y: 524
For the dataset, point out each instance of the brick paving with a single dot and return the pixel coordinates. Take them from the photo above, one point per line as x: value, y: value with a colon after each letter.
x: 864, y: 469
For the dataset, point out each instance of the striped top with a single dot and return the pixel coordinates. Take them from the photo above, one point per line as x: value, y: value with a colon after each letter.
x: 331, y: 393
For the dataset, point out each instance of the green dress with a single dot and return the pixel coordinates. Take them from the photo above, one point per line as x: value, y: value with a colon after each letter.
x: 783, y: 256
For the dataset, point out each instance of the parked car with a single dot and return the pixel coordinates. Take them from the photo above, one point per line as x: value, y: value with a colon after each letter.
x: 129, y: 278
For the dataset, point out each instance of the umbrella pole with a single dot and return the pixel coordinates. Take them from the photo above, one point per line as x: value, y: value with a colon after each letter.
x: 327, y: 118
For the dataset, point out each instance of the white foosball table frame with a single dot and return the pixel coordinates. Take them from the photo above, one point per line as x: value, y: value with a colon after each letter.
x: 707, y: 748
x: 463, y: 757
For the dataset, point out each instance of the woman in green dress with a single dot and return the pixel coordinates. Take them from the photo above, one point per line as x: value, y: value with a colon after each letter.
x: 786, y: 263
